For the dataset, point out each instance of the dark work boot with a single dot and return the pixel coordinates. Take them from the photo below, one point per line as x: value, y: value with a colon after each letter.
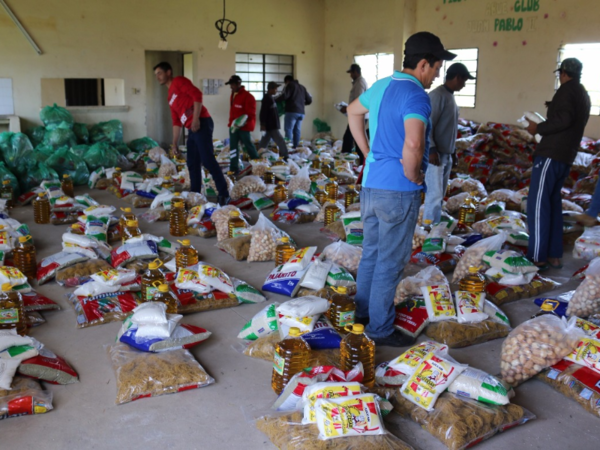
x: 223, y: 200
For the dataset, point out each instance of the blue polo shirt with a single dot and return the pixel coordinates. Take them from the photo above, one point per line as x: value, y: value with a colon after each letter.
x: 390, y: 102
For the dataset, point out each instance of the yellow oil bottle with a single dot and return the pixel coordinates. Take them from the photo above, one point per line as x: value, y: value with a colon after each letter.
x: 150, y: 173
x: 131, y: 230
x: 331, y: 188
x: 151, y: 276
x: 351, y: 196
x: 473, y: 283
x: 332, y: 212
x: 292, y: 355
x: 358, y: 347
x: 280, y: 193
x: 127, y: 215
x: 178, y: 219
x: 467, y: 212
x: 236, y: 224
x: 24, y: 257
x: 269, y: 177
x: 283, y: 251
x: 163, y: 294
x: 11, y: 310
x: 341, y: 309
x: 116, y: 178
x: 41, y: 209
x: 67, y: 186
x: 186, y: 255
x: 321, y: 197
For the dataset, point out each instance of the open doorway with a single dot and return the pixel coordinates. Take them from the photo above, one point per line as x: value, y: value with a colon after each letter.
x: 158, y: 115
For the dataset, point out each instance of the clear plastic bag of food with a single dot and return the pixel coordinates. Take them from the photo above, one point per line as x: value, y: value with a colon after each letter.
x: 459, y: 335
x: 142, y: 374
x: 26, y: 397
x: 345, y: 255
x: 411, y: 286
x: 265, y: 236
x: 586, y: 300
x: 500, y: 294
x: 238, y: 247
x: 300, y: 181
x: 81, y: 272
x: 535, y: 345
x: 473, y: 257
x: 246, y: 185
x: 105, y: 308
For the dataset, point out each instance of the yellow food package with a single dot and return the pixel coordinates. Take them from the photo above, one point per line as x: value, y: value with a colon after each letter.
x: 325, y: 391
x: 433, y: 376
x: 349, y: 416
x: 439, y: 303
x: 587, y: 354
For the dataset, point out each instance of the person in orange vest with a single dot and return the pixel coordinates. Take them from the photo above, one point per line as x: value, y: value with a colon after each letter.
x: 242, y: 103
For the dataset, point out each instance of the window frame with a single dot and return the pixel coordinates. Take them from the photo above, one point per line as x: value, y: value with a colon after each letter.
x: 377, y: 56
x: 265, y: 74
x: 594, y: 47
x: 447, y: 64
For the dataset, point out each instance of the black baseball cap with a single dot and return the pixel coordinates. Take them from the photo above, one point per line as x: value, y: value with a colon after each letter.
x: 426, y: 42
x: 459, y: 69
x: 571, y: 66
x: 234, y: 79
x: 273, y: 85
x: 354, y: 68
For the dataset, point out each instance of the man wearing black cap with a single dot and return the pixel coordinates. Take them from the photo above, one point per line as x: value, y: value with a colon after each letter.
x: 568, y: 114
x: 444, y: 128
x: 269, y: 121
x: 359, y: 85
x: 397, y: 154
x: 296, y: 97
x: 242, y: 103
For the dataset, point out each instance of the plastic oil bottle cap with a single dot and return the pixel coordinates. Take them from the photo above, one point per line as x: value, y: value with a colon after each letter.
x: 357, y: 328
x: 131, y: 223
x: 75, y: 226
x: 42, y: 194
x: 351, y: 186
x: 6, y: 287
x: 186, y: 242
x: 294, y: 332
x: 163, y: 288
x: 6, y: 182
x: 66, y: 175
x: 285, y: 239
x: 127, y: 210
x: 342, y: 290
x: 148, y: 169
x: 547, y: 306
x: 473, y: 269
x: 23, y: 239
x: 234, y: 214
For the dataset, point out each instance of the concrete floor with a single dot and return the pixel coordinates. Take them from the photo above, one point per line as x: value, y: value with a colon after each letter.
x: 217, y: 417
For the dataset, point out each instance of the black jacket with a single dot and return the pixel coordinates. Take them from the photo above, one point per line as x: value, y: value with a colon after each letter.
x: 296, y: 97
x: 562, y: 131
x: 269, y: 116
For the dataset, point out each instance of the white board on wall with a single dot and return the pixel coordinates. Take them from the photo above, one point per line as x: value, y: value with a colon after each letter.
x: 7, y: 106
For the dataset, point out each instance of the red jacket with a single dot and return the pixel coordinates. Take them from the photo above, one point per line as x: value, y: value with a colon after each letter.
x: 243, y: 103
x: 182, y: 95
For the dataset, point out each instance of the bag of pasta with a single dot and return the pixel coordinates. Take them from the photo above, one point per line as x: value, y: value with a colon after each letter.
x: 459, y: 335
x: 536, y: 344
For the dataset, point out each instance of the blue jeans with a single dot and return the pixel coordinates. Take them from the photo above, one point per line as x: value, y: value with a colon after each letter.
x: 292, y: 125
x: 389, y: 220
x: 544, y: 209
x: 200, y: 152
x: 436, y: 180
x: 594, y: 208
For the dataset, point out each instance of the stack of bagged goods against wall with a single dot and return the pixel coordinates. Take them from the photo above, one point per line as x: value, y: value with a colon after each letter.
x: 331, y: 387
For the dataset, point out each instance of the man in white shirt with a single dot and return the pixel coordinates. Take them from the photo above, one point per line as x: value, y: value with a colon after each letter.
x: 359, y: 85
x: 444, y: 128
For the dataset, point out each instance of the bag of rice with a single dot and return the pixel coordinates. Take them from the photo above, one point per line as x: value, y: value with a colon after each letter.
x: 316, y: 274
x: 353, y: 227
x: 129, y: 252
x: 246, y: 293
x: 326, y: 390
x: 184, y: 336
x: 48, y: 266
x: 300, y: 259
x: 469, y: 306
x: 188, y: 279
x: 438, y: 301
x: 349, y: 416
x: 49, y: 367
x: 284, y: 282
x: 263, y: 323
x: 587, y: 353
x: 432, y: 377
x: 481, y: 386
x: 213, y: 277
x: 509, y: 261
x: 260, y: 201
x: 411, y: 317
x: 12, y: 276
x: 8, y: 368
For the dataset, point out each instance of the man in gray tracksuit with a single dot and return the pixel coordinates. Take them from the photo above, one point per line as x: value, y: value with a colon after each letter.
x: 444, y: 128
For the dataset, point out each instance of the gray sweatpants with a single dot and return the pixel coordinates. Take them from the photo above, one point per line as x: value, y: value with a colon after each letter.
x: 279, y: 141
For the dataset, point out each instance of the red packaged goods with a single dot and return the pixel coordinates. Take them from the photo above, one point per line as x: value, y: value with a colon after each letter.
x: 242, y: 203
x: 411, y: 317
x: 33, y: 301
x: 127, y: 253
x: 444, y: 261
x: 48, y: 266
x: 25, y: 398
x: 48, y: 367
x: 104, y: 308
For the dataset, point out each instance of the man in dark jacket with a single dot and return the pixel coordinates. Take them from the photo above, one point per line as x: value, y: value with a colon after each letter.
x: 296, y: 97
x: 269, y: 121
x: 568, y: 114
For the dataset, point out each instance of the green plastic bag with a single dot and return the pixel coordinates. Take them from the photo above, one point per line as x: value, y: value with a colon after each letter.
x: 80, y: 150
x: 36, y: 135
x: 64, y: 161
x: 37, y: 172
x: 53, y: 116
x: 5, y: 141
x: 6, y: 174
x: 122, y: 148
x: 101, y: 154
x: 43, y: 152
x: 111, y: 132
x: 321, y: 126
x: 142, y: 144
x: 18, y: 153
x: 59, y: 137
x: 81, y: 133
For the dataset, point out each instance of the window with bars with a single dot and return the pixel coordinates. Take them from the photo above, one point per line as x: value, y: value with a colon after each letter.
x: 469, y: 57
x: 375, y: 66
x: 256, y: 70
x: 588, y: 55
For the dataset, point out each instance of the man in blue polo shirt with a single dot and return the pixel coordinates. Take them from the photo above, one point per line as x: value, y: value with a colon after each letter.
x: 396, y: 162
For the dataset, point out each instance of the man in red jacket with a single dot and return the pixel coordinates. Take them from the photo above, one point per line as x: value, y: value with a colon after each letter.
x: 242, y: 103
x: 187, y: 110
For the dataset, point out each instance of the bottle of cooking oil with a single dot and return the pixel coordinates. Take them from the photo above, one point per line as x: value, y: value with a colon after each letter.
x: 548, y: 308
x: 151, y: 276
x: 341, y: 309
x: 326, y: 169
x: 127, y: 215
x: 41, y: 209
x: 164, y: 295
x: 231, y: 176
x: 331, y: 188
x: 168, y: 184
x: 316, y: 163
x: 350, y: 196
x: 280, y: 193
x: 292, y: 355
x: 67, y: 186
x: 280, y: 162
x: 186, y: 255
x: 178, y: 219
x: 269, y: 177
x: 131, y: 230
x: 283, y: 251
x: 11, y: 310
x: 355, y: 347
x: 332, y: 212
x: 467, y: 212
x: 116, y: 177
x: 321, y: 196
x: 474, y: 282
x: 427, y: 225
x: 24, y: 257
x: 237, y: 225
x: 6, y: 193
x: 150, y: 173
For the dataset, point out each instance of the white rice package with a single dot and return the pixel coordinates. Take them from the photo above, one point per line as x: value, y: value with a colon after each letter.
x: 326, y: 390
x: 439, y: 303
x: 189, y: 279
x: 284, y: 282
x: 309, y: 305
x: 316, y: 275
x: 349, y: 416
x: 469, y: 307
x: 481, y: 386
x: 300, y: 259
x: 115, y: 277
x: 10, y: 338
x: 263, y: 323
x: 8, y: 368
x: 213, y: 277
x: 48, y: 266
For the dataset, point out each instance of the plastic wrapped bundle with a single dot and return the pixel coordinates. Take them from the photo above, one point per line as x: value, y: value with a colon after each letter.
x: 111, y: 132
x: 53, y: 116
